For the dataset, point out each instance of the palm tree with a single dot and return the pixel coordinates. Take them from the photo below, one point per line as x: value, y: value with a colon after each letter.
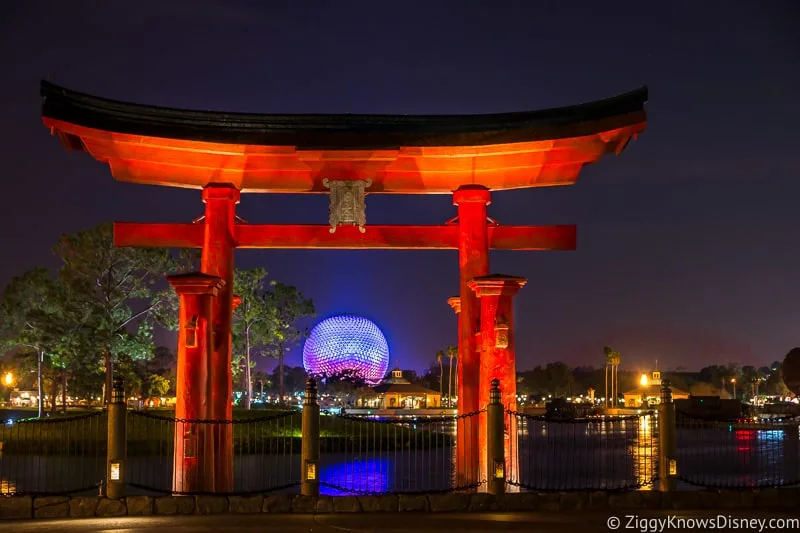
x: 613, y: 359
x: 452, y: 351
x: 439, y: 358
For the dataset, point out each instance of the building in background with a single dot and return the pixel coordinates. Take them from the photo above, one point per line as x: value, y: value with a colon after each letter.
x: 396, y: 392
x: 648, y: 393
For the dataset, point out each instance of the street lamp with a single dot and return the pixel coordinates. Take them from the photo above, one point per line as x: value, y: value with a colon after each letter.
x: 733, y: 380
x: 643, y: 380
x: 8, y: 379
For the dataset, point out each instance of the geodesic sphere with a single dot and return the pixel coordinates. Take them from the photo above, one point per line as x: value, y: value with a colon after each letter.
x: 347, y: 342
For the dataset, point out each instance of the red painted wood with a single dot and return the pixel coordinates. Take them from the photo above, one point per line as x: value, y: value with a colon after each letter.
x: 217, y: 260
x: 406, y: 170
x: 193, y: 467
x: 496, y: 295
x: 473, y: 260
x: 346, y: 237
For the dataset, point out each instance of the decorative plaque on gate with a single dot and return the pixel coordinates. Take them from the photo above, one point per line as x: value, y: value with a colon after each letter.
x: 348, y: 206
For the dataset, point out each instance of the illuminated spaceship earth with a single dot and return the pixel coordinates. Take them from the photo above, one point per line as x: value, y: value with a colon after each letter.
x: 347, y: 342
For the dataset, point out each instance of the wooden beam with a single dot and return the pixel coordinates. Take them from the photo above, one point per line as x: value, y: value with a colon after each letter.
x: 532, y: 237
x: 347, y: 237
x: 300, y: 236
x: 158, y: 235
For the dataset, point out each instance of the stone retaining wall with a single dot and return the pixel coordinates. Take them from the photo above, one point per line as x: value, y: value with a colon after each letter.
x: 21, y: 507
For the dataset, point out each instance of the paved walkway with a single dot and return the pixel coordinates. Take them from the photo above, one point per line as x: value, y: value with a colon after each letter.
x: 578, y: 522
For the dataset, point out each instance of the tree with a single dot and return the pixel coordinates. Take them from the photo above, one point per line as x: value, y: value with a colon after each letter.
x: 252, y: 322
x: 286, y: 305
x: 613, y: 360
x: 164, y: 360
x: 430, y: 378
x: 343, y: 384
x: 790, y: 370
x: 294, y: 379
x: 157, y: 386
x: 750, y: 377
x: 452, y: 352
x: 119, y: 288
x: 439, y: 359
x: 25, y: 318
x: 41, y: 318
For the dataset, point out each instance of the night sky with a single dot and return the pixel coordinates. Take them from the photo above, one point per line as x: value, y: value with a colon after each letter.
x: 687, y: 244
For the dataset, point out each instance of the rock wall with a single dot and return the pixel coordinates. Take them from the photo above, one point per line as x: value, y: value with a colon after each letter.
x: 22, y: 507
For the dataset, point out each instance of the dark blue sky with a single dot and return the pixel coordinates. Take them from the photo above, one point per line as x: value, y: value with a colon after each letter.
x: 688, y: 243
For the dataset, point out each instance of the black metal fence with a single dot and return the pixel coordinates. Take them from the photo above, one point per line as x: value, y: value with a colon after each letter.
x: 738, y: 453
x: 53, y: 455
x: 600, y: 453
x: 373, y: 456
x: 266, y: 452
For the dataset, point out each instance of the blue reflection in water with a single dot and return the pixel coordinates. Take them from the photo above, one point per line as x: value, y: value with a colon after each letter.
x: 771, y: 435
x: 357, y: 475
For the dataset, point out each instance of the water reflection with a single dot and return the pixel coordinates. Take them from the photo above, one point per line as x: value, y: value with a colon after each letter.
x: 601, y: 454
x: 358, y: 476
x: 733, y: 456
x: 7, y: 487
x: 644, y: 450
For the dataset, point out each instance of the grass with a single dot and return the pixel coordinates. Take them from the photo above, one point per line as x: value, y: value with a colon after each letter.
x: 84, y: 432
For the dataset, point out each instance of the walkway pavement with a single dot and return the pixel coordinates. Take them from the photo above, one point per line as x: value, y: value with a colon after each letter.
x: 577, y: 522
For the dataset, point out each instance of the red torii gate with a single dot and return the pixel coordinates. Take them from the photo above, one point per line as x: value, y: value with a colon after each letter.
x: 349, y: 156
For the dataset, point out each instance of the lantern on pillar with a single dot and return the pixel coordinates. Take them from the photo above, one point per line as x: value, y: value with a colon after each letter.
x: 501, y: 333
x: 191, y: 332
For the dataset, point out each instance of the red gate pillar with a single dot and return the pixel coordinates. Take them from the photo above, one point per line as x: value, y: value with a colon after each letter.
x: 217, y: 260
x: 473, y: 260
x: 497, y: 359
x: 193, y: 463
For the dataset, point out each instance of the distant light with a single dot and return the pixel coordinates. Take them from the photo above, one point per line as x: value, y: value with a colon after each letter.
x: 643, y: 380
x: 8, y: 379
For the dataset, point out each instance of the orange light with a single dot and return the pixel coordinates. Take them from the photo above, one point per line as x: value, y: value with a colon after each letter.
x: 643, y: 380
x: 8, y: 379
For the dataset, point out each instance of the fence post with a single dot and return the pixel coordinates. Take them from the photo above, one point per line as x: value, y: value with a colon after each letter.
x: 668, y: 462
x: 117, y: 442
x: 310, y: 440
x: 495, y: 434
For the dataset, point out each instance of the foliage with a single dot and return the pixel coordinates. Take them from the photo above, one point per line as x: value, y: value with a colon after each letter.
x: 790, y: 370
x: 287, y: 306
x: 157, y: 386
x: 119, y: 289
x: 555, y: 378
x: 342, y: 384
x: 253, y: 324
x: 612, y: 357
x: 294, y: 378
x: 39, y: 317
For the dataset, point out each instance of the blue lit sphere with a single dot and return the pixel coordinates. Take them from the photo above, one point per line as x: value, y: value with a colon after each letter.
x: 347, y: 342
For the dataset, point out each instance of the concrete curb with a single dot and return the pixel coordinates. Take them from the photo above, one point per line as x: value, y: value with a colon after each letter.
x: 22, y: 507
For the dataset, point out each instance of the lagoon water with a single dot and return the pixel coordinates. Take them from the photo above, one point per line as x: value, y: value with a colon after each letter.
x: 550, y: 456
